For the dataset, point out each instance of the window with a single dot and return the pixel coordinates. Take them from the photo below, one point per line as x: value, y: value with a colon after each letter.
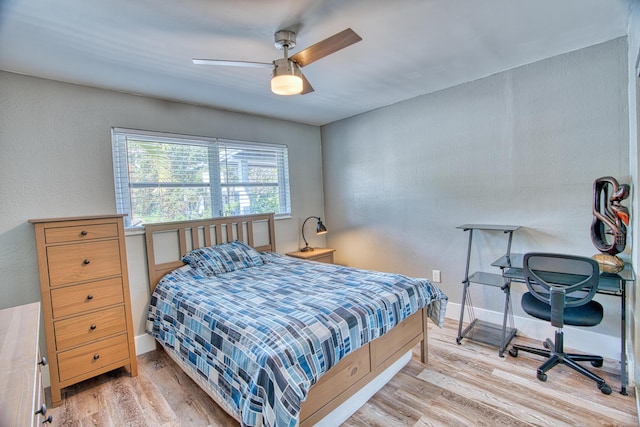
x: 163, y: 177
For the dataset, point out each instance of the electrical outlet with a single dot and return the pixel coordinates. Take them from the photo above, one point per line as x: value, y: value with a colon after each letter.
x: 436, y: 276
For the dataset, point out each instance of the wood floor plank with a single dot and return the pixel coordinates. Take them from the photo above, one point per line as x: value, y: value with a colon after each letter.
x: 463, y: 385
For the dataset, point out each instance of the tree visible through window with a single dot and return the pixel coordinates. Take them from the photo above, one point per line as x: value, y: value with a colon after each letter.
x: 161, y: 178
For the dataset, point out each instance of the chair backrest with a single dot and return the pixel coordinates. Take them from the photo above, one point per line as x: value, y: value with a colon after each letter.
x: 561, y: 280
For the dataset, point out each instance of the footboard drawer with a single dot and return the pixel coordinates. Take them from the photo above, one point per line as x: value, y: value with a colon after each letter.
x: 347, y: 372
x: 388, y: 344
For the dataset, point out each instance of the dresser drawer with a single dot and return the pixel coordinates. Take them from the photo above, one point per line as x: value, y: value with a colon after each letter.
x: 92, y: 357
x: 83, y: 261
x: 80, y: 298
x: 89, y: 327
x: 80, y: 233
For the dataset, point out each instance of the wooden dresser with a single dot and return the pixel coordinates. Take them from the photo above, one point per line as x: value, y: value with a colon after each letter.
x: 21, y: 392
x: 85, y: 298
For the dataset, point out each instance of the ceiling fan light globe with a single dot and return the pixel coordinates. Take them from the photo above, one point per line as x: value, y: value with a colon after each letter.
x: 286, y: 85
x: 287, y: 78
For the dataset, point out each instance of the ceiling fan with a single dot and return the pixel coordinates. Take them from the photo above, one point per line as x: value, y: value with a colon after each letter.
x: 287, y: 78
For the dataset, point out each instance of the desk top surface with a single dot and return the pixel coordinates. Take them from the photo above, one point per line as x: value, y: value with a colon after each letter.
x: 609, y: 283
x: 488, y: 227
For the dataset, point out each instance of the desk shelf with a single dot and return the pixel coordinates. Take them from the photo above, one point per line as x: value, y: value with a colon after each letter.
x: 480, y: 330
x: 487, y: 279
x: 489, y: 333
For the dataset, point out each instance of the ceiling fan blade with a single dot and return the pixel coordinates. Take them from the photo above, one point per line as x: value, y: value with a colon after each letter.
x: 232, y: 63
x: 326, y: 47
x: 306, y: 86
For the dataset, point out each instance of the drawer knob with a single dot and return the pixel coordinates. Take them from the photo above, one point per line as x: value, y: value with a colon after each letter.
x: 89, y: 297
x: 49, y: 420
x: 86, y: 261
x: 92, y: 327
x: 83, y: 233
x: 96, y: 356
x: 43, y: 361
x: 42, y: 410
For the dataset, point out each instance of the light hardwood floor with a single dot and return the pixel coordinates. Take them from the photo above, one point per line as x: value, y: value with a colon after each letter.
x: 463, y: 385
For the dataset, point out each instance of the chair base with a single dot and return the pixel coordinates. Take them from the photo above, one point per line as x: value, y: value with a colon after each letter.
x: 555, y: 355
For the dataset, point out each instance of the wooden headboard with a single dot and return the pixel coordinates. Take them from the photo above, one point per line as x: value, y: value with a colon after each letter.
x: 167, y: 242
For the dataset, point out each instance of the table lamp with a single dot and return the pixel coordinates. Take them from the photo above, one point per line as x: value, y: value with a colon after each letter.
x: 320, y: 229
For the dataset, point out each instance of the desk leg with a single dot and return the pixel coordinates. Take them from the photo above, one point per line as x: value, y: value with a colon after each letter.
x: 507, y: 306
x: 464, y: 300
x: 623, y: 331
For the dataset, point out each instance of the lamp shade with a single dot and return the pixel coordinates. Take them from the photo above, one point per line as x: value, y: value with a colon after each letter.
x: 320, y: 229
x: 287, y: 78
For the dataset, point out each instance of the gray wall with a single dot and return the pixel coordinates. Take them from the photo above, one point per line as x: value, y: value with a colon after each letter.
x: 55, y: 161
x: 521, y: 147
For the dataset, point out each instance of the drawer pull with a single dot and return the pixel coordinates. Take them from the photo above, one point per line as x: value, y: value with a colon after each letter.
x: 86, y: 261
x: 83, y: 233
x: 93, y: 327
x: 43, y: 361
x: 49, y: 420
x: 96, y: 356
x: 42, y: 410
x: 89, y: 297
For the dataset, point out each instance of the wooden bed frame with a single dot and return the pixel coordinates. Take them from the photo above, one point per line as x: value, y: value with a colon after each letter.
x: 342, y: 381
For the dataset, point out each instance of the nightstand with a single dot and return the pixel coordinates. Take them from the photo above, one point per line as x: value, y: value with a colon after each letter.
x: 318, y: 254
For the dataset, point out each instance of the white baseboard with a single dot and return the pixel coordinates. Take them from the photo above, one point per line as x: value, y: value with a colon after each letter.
x: 579, y: 339
x: 144, y: 344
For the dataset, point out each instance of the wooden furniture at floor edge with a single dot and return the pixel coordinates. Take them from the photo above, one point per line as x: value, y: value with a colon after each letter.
x: 86, y: 303
x: 22, y: 392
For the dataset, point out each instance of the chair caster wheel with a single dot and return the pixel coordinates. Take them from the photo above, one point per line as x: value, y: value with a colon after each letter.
x: 604, y: 388
x: 596, y: 363
x: 513, y: 352
x: 541, y: 376
x: 458, y: 341
x: 545, y: 345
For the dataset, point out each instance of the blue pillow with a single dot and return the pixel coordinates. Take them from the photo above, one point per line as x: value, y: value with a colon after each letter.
x: 223, y: 258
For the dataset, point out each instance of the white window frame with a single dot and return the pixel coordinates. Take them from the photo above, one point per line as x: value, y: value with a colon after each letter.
x: 120, y: 136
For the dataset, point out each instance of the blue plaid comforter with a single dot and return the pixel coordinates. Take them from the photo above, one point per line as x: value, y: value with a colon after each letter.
x: 260, y: 337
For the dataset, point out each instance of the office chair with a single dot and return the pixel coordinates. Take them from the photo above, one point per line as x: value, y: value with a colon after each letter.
x: 561, y: 290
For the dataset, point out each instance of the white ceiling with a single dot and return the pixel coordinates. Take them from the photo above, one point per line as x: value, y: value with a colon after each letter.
x: 409, y: 47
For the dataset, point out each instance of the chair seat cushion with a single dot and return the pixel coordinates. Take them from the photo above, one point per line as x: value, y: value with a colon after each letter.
x: 589, y: 314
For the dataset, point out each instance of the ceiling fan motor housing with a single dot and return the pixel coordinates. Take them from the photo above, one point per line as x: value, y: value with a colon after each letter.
x: 285, y: 38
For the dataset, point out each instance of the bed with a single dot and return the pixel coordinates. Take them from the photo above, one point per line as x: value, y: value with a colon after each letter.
x: 275, y: 340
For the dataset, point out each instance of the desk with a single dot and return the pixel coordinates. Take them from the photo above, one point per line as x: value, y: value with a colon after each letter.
x: 610, y: 284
